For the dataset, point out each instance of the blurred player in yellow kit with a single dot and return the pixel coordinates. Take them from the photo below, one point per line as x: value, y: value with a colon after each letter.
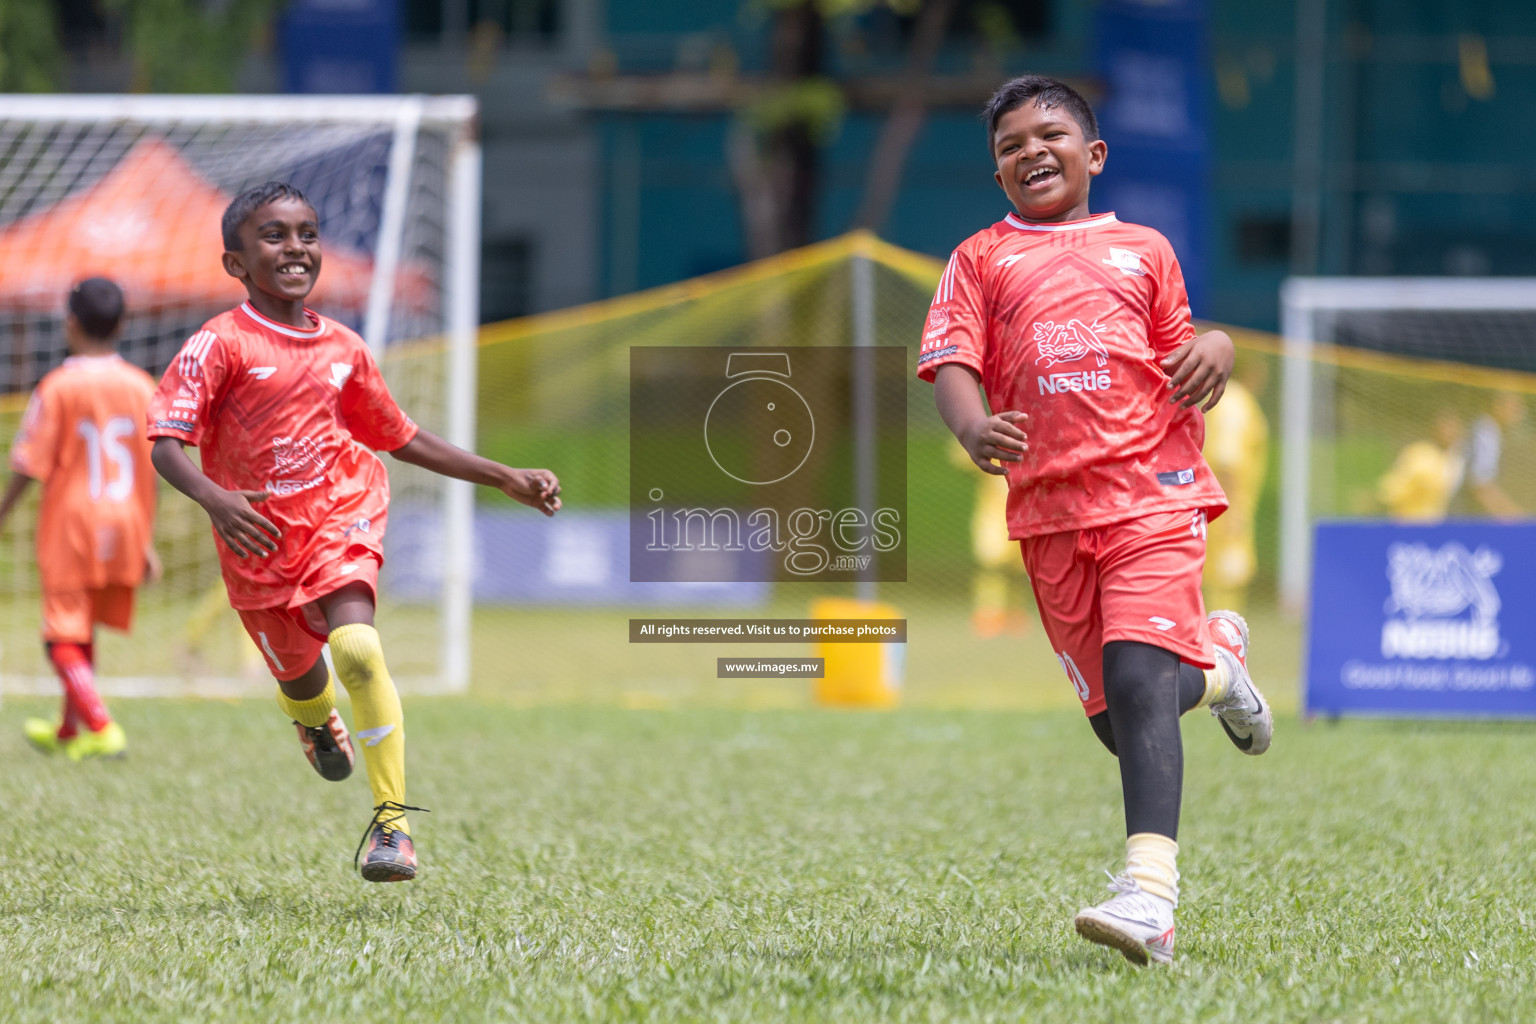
x: 1237, y: 449
x: 1426, y: 474
x: 83, y: 437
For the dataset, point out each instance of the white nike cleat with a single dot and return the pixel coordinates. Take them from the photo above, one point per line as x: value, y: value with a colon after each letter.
x: 1243, y: 713
x: 1137, y: 923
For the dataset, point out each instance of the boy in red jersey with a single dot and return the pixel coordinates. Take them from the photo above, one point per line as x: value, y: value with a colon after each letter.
x: 80, y: 436
x: 285, y: 405
x: 1078, y: 328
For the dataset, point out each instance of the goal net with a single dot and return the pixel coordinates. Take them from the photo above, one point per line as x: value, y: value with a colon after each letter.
x: 131, y: 188
x: 1371, y: 365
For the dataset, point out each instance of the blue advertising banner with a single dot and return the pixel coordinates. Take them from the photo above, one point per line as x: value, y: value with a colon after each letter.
x: 1430, y: 621
x: 523, y: 558
x: 1152, y: 56
x: 340, y: 46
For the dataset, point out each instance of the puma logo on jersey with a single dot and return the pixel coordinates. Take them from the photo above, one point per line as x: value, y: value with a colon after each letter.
x: 1008, y: 261
x: 262, y: 372
x: 340, y: 372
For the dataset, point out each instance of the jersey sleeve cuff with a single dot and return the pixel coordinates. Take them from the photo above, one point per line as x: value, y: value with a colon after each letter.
x: 405, y: 437
x: 929, y: 362
x: 20, y: 468
x: 181, y: 430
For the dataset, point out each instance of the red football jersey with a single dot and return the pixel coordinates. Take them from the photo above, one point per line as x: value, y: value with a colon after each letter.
x: 294, y: 413
x: 1067, y: 322
x: 81, y: 437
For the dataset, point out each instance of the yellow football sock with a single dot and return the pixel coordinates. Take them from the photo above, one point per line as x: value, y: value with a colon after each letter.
x: 313, y: 712
x: 1151, y: 859
x: 1218, y: 682
x: 377, y: 721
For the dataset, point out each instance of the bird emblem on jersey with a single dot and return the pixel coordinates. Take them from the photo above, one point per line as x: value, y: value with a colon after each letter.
x: 340, y: 372
x: 1069, y: 342
x: 291, y: 455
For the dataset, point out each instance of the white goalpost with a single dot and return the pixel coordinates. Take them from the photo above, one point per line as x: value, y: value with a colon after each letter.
x: 125, y: 187
x: 1487, y: 320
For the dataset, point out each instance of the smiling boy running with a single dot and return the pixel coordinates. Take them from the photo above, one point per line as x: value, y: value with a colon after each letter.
x: 1077, y: 327
x: 287, y: 407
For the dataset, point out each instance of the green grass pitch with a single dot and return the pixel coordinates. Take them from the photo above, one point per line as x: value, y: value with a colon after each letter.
x: 598, y: 863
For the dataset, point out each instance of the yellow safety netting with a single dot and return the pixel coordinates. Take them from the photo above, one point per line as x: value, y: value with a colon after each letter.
x: 1390, y: 436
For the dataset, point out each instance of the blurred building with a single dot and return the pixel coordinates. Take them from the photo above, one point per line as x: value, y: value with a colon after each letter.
x: 1339, y: 136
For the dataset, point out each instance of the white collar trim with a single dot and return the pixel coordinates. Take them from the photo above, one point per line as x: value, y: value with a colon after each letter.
x: 104, y: 359
x: 284, y: 329
x: 1014, y: 220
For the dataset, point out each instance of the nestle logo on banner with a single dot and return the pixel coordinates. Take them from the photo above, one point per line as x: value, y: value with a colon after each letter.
x: 1443, y: 601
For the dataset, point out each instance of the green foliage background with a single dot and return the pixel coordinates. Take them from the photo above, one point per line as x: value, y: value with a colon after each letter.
x: 176, y: 46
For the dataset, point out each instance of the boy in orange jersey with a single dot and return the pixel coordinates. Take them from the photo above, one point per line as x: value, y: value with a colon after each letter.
x: 81, y: 436
x: 287, y: 408
x: 1078, y: 328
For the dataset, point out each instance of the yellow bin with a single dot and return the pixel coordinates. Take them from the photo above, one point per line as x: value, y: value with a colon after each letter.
x: 858, y: 675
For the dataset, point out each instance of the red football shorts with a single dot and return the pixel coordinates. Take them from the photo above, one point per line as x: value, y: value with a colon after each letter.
x: 289, y: 636
x: 70, y: 616
x: 1137, y: 580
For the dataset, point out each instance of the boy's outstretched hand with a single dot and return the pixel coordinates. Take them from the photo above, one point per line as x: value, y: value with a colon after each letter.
x: 246, y: 531
x: 996, y: 437
x: 536, y: 488
x: 1200, y: 367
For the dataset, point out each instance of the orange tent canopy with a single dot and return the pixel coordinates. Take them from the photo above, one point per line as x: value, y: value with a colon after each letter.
x: 151, y: 225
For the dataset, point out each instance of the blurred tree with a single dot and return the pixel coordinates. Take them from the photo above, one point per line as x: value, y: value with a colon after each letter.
x: 882, y: 179
x: 775, y: 145
x: 29, y: 46
x: 190, y: 45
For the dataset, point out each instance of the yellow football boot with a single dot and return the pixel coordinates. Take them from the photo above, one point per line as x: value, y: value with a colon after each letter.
x: 110, y: 742
x: 43, y: 735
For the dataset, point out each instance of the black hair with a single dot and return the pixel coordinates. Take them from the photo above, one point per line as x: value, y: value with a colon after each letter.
x: 1045, y: 93
x: 251, y: 200
x: 97, y: 305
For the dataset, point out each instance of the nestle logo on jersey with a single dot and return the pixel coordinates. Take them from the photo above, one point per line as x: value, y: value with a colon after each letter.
x: 1082, y: 380
x: 1067, y: 343
x: 182, y: 403
x: 938, y: 323
x: 283, y: 488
